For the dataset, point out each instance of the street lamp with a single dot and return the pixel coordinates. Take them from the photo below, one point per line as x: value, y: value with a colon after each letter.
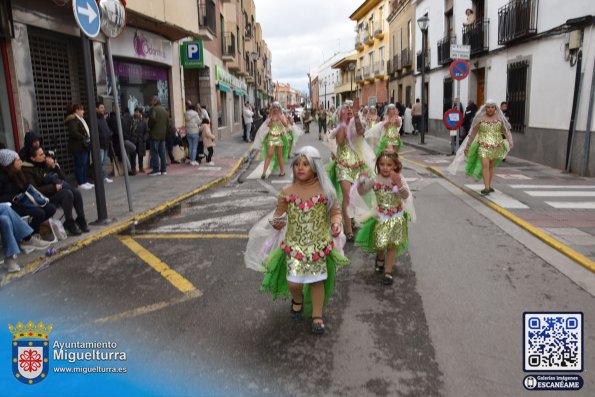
x: 423, y: 23
x: 351, y: 71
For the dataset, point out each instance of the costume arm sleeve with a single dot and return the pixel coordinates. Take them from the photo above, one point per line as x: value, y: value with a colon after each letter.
x: 403, y: 191
x: 336, y: 214
x: 472, y: 136
x: 281, y: 204
x: 340, y: 137
x: 364, y: 185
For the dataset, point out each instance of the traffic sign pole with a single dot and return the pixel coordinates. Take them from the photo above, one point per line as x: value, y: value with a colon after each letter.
x: 99, y: 187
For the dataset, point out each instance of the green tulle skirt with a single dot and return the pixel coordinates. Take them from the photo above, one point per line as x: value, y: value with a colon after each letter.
x: 332, y: 174
x: 473, y: 163
x: 275, y: 161
x: 275, y: 276
x: 375, y: 236
x: 384, y: 142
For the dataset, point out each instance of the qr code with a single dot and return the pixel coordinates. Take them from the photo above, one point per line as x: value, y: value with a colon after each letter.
x: 553, y: 342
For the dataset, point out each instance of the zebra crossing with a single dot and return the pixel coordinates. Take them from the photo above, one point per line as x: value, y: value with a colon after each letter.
x: 575, y: 196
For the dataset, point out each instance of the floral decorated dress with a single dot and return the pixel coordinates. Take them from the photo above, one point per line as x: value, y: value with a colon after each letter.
x: 489, y: 144
x: 348, y: 163
x: 390, y: 137
x: 307, y: 253
x: 388, y: 227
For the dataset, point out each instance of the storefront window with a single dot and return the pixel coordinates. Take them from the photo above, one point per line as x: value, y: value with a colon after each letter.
x: 236, y: 109
x: 138, y: 83
x: 6, y: 133
x: 221, y: 98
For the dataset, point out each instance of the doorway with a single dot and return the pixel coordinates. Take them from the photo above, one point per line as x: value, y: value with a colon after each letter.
x: 480, y: 75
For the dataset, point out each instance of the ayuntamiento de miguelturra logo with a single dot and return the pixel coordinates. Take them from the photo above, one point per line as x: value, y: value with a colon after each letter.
x: 30, y: 351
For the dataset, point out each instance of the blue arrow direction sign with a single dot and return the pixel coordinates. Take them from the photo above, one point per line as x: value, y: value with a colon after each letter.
x: 86, y: 13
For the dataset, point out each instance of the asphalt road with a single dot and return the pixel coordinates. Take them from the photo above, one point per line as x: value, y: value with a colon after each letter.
x: 194, y: 322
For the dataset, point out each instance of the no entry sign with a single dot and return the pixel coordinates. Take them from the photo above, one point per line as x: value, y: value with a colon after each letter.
x: 452, y: 119
x: 459, y: 69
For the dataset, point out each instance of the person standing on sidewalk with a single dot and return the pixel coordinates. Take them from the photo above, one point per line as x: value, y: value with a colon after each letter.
x: 416, y: 112
x: 105, y: 139
x: 138, y: 136
x: 158, y: 121
x: 79, y: 142
x: 453, y: 138
x: 208, y: 139
x: 485, y: 147
x: 12, y: 230
x: 248, y: 115
x: 193, y: 122
x: 467, y: 119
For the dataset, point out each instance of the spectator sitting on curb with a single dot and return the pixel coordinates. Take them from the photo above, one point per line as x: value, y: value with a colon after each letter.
x: 45, y: 175
x: 12, y: 230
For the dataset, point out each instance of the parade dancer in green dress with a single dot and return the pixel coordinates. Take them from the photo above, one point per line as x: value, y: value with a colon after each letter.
x: 305, y: 260
x: 387, y: 133
x: 487, y: 144
x: 271, y: 138
x: 386, y: 227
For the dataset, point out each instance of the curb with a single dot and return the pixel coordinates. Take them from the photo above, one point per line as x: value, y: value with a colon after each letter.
x: 544, y: 237
x: 37, y: 264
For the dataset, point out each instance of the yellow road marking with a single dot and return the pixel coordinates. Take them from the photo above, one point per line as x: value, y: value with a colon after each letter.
x: 149, y: 308
x: 407, y: 151
x: 189, y: 236
x: 167, y: 272
x: 117, y: 228
x: 546, y: 238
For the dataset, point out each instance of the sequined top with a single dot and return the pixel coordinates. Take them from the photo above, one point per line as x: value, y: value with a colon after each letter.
x: 308, y: 228
x: 391, y: 132
x: 277, y: 129
x: 490, y: 134
x: 347, y: 157
x: 386, y: 198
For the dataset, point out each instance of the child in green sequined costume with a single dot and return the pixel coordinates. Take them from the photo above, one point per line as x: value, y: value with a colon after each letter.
x: 305, y: 262
x: 489, y: 141
x: 387, y: 228
x: 387, y: 132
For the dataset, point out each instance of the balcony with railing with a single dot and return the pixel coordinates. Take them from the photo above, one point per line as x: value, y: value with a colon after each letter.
x: 378, y: 31
x: 427, y: 60
x: 406, y: 60
x: 444, y: 49
x: 206, y: 19
x: 379, y: 69
x: 476, y: 36
x: 359, y: 43
x: 516, y: 20
x: 389, y: 67
x: 368, y: 38
x: 359, y: 75
x: 228, y: 46
x: 248, y: 32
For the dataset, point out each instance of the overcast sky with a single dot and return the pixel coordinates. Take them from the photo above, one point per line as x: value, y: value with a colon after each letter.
x: 303, y: 34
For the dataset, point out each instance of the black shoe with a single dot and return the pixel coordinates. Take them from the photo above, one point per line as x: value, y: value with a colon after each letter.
x: 317, y: 327
x: 388, y: 279
x: 379, y: 264
x: 296, y: 315
x: 82, y: 224
x: 485, y: 192
x: 491, y: 189
x: 71, y: 227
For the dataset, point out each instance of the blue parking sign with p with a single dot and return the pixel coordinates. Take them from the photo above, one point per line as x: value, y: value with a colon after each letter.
x: 191, y: 54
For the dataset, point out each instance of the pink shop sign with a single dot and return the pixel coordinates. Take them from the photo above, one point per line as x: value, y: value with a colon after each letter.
x: 144, y: 72
x: 140, y: 44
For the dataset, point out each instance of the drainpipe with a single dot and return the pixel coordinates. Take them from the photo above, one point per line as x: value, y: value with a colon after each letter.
x: 575, y: 103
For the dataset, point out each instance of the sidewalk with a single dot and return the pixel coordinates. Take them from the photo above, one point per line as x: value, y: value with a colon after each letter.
x: 150, y: 195
x: 558, y: 204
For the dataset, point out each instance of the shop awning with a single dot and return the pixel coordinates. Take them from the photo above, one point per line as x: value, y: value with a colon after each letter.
x: 239, y: 93
x: 223, y: 87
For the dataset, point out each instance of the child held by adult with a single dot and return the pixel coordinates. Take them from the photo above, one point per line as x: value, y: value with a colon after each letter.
x: 305, y: 261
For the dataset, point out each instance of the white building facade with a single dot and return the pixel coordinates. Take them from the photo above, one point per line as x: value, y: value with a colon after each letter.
x: 328, y: 78
x: 525, y: 52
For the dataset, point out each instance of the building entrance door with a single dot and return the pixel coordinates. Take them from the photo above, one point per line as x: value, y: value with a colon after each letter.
x: 480, y: 86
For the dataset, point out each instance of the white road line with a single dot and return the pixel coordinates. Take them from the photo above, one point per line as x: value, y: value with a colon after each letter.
x: 502, y: 199
x: 552, y: 186
x: 258, y: 171
x: 513, y: 176
x: 283, y: 181
x: 552, y: 193
x: 585, y: 205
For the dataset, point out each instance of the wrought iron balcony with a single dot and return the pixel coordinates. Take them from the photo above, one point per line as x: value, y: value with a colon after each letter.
x: 427, y: 60
x: 406, y: 60
x: 206, y: 17
x: 359, y: 45
x: 444, y: 49
x: 359, y: 76
x: 477, y: 36
x: 379, y: 69
x: 516, y: 20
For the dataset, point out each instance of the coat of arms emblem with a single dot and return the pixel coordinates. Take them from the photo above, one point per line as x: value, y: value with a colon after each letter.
x: 30, y: 351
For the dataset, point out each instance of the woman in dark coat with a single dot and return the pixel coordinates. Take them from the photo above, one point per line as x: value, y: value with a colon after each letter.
x: 79, y: 143
x: 13, y: 182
